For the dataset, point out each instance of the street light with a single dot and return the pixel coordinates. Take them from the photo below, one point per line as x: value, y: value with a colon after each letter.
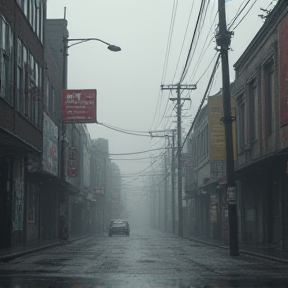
x: 77, y: 41
x: 66, y: 40
x: 111, y: 47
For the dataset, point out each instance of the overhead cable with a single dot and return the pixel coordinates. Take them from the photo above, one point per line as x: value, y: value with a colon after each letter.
x: 183, y: 40
x: 140, y: 152
x: 238, y: 13
x: 136, y: 173
x: 123, y: 131
x: 203, y: 17
x: 168, y: 45
x: 245, y: 14
x: 184, y: 72
x: 204, y: 97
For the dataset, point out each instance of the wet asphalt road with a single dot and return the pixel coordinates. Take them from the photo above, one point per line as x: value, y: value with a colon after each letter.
x: 145, y: 259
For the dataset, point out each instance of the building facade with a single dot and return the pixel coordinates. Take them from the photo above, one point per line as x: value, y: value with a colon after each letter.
x: 261, y: 167
x: 205, y: 179
x: 21, y: 100
x: 46, y: 183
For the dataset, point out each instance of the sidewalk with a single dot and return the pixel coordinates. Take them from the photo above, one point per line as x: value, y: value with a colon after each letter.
x: 14, y: 252
x: 264, y: 252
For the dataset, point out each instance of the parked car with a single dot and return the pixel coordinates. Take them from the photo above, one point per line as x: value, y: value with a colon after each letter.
x: 119, y: 227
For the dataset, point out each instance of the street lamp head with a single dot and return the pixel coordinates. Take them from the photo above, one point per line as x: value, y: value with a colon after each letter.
x: 114, y: 48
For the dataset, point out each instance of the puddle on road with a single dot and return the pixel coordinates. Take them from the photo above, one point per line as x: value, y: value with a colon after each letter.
x: 146, y: 261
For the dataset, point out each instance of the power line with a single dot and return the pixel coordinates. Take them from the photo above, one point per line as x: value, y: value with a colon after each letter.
x: 207, y: 68
x: 238, y: 13
x: 183, y: 40
x: 172, y: 22
x: 245, y: 14
x: 204, y: 97
x: 140, y: 152
x: 168, y: 46
x: 199, y: 30
x: 126, y: 130
x: 123, y: 131
x: 163, y: 113
x: 143, y: 169
x: 184, y: 72
x: 204, y: 50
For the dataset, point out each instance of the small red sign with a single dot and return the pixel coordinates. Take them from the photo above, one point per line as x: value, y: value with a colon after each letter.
x: 79, y: 106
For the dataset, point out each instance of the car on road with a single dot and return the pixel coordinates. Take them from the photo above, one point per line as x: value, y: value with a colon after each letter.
x: 119, y: 227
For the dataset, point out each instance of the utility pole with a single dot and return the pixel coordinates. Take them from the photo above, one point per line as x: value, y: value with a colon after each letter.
x: 178, y: 87
x: 223, y: 39
x: 173, y: 181
x: 166, y: 192
x: 172, y: 173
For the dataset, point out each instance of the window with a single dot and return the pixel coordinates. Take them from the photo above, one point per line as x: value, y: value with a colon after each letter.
x: 22, y: 4
x: 38, y: 17
x: 19, y: 78
x: 25, y: 81
x: 41, y: 10
x: 32, y: 13
x: 36, y: 96
x: 29, y: 83
x: 6, y: 64
x: 253, y: 111
x: 269, y: 96
x: 241, y: 127
x: 25, y: 9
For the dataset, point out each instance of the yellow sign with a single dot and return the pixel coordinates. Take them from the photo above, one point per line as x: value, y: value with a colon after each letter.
x: 217, y: 127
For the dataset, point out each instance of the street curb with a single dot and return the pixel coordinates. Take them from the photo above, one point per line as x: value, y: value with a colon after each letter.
x: 203, y: 242
x: 245, y: 252
x: 10, y: 257
x: 266, y: 257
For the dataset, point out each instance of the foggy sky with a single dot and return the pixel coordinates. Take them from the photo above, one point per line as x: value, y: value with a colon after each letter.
x: 128, y: 82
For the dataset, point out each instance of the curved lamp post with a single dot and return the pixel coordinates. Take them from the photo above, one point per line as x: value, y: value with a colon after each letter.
x: 66, y: 41
x: 77, y: 41
x: 111, y: 47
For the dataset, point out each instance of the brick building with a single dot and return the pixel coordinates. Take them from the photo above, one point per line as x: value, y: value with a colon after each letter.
x: 21, y: 100
x: 261, y: 167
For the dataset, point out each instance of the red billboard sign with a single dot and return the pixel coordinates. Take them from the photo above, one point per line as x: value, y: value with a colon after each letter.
x: 79, y: 106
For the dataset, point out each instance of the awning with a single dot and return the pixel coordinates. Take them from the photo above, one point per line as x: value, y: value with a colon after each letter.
x: 11, y: 144
x: 48, y: 179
